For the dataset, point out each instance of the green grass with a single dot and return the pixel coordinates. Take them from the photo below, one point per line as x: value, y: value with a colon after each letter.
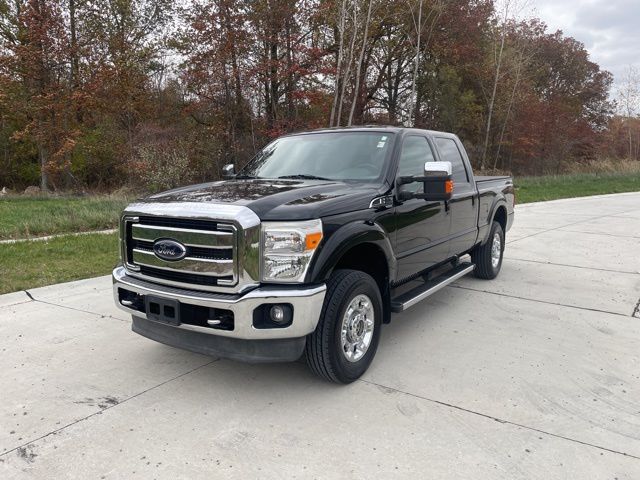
x: 539, y: 189
x: 22, y: 217
x: 31, y: 264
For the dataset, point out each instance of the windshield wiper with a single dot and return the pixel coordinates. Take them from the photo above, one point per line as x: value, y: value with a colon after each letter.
x: 304, y: 176
x: 244, y: 176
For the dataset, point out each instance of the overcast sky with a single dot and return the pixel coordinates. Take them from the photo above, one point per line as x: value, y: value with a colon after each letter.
x: 610, y: 29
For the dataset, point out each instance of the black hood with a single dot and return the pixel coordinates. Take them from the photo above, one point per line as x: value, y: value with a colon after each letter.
x: 281, y: 199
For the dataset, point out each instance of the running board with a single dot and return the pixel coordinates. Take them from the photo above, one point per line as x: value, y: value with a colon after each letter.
x: 421, y: 292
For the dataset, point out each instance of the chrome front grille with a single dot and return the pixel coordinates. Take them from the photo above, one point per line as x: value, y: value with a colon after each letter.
x: 210, y: 258
x: 222, y: 245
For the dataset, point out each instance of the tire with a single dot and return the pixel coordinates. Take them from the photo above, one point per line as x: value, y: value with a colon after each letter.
x: 487, y: 265
x: 327, y: 350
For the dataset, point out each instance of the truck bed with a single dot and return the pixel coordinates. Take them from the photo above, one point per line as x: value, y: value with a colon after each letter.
x: 489, y: 178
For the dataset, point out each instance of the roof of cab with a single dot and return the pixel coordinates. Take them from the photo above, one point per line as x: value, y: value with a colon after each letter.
x: 378, y: 128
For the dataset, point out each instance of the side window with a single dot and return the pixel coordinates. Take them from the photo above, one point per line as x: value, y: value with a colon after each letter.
x: 449, y: 153
x: 415, y: 153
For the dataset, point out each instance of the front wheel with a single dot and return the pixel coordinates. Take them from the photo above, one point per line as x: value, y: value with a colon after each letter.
x: 488, y: 257
x: 346, y: 339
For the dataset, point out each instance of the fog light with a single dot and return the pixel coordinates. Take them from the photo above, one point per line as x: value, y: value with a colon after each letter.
x: 277, y: 314
x: 273, y: 315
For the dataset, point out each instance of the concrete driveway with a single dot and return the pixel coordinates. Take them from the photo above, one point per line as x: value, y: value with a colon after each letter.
x: 533, y: 375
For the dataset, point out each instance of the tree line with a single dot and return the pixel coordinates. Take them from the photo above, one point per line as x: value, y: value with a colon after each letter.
x: 96, y: 94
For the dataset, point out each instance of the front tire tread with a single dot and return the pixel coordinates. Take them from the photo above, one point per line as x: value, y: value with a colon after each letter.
x: 318, y: 352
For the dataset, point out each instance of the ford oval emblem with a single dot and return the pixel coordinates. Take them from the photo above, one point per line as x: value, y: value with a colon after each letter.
x: 170, y: 250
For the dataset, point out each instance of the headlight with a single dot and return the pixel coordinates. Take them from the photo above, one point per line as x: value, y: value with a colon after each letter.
x: 287, y: 249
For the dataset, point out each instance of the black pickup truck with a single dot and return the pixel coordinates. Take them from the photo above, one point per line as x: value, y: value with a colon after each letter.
x: 310, y: 248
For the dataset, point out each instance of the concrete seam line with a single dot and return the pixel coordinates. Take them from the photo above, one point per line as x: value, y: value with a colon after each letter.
x: 500, y: 420
x: 564, y: 214
x: 616, y: 235
x: 19, y: 302
x: 57, y: 430
x: 540, y: 301
x: 571, y: 224
x: 73, y: 308
x: 636, y: 310
x: 627, y: 272
x: 15, y: 303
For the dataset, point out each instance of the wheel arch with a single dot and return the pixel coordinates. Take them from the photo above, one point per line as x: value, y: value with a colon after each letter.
x: 499, y: 214
x: 359, y: 246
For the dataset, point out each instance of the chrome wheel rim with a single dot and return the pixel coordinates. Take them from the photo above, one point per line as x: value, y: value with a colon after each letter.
x: 496, y: 250
x: 357, y: 328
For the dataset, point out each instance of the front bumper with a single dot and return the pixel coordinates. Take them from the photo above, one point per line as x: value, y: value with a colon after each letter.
x: 244, y: 341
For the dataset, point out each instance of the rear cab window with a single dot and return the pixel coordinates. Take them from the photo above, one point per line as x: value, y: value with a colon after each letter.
x: 449, y: 152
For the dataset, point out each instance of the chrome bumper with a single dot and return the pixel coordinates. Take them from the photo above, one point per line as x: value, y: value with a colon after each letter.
x: 306, y: 301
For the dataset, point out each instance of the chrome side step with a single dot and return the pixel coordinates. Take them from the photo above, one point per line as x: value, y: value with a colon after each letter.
x: 410, y: 298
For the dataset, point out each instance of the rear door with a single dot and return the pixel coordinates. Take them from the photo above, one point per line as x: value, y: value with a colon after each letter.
x: 422, y: 227
x: 463, y: 206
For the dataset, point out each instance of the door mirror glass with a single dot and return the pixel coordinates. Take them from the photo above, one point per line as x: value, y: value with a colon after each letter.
x: 228, y: 171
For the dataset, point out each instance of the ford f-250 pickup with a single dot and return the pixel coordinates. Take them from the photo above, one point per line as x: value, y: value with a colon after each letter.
x: 310, y: 248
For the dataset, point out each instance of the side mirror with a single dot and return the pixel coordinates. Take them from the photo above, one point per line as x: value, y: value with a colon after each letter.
x: 228, y: 171
x: 437, y: 181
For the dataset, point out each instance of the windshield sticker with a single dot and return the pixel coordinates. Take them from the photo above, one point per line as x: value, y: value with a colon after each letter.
x: 382, y: 142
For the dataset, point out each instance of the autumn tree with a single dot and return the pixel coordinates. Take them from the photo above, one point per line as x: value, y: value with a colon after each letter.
x: 33, y: 66
x: 629, y: 105
x: 567, y: 104
x: 93, y: 94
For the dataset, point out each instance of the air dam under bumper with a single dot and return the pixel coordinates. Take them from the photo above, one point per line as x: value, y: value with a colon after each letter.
x: 244, y: 342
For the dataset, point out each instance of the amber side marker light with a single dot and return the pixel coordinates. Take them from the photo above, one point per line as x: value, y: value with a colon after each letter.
x: 313, y: 239
x: 448, y: 186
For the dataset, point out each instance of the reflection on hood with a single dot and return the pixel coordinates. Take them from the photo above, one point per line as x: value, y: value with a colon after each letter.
x: 279, y: 199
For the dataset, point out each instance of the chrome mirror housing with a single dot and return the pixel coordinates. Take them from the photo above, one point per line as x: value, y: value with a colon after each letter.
x: 228, y: 171
x: 437, y: 169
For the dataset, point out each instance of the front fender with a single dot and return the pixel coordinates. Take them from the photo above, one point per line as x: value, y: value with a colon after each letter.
x: 345, y: 238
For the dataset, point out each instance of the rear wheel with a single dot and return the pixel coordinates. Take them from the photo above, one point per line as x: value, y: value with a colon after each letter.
x: 488, y: 257
x: 346, y: 338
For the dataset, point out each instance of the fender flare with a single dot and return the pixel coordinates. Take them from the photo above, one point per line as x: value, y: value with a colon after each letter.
x: 345, y: 238
x: 500, y: 202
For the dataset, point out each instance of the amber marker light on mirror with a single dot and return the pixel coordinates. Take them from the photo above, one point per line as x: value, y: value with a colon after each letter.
x: 448, y: 186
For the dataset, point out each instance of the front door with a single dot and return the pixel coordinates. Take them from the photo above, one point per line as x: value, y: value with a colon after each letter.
x: 422, y: 227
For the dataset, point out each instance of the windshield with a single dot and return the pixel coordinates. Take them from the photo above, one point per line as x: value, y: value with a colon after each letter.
x: 358, y: 156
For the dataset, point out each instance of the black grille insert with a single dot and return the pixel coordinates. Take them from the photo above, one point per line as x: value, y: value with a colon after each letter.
x: 216, y: 318
x: 182, y: 277
x: 202, y: 252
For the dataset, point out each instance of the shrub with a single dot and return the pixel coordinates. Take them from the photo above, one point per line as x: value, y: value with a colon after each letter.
x: 156, y: 168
